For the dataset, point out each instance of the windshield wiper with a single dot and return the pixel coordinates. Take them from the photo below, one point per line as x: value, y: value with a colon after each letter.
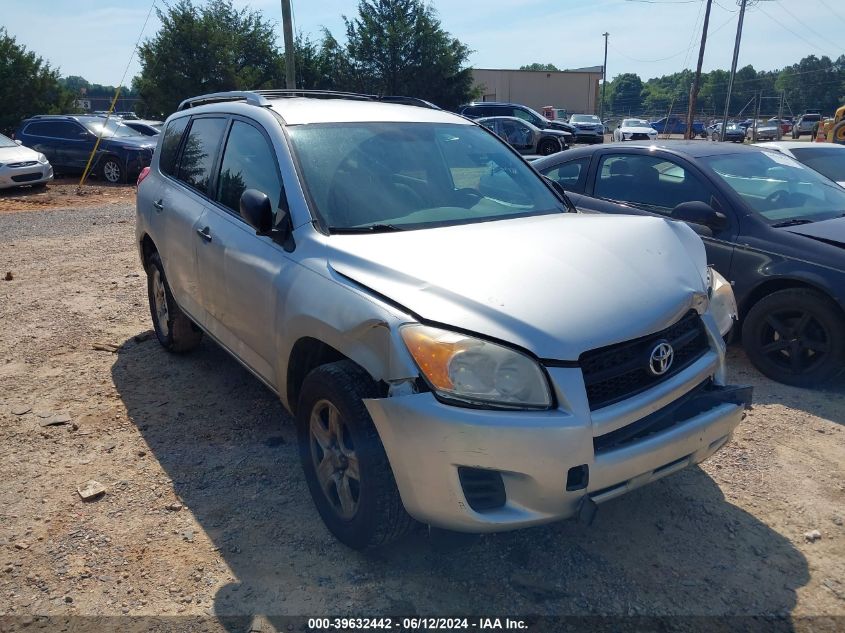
x: 372, y: 228
x: 793, y: 222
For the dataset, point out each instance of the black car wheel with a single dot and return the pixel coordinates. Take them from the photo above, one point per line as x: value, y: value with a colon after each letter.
x: 795, y: 336
x: 548, y: 146
x: 346, y: 468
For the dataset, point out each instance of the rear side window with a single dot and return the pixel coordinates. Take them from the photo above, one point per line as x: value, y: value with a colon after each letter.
x: 170, y: 145
x: 55, y: 129
x: 570, y: 175
x: 248, y: 163
x: 200, y: 151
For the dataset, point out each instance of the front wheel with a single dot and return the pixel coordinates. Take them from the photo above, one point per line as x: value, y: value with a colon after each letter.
x: 715, y: 136
x: 795, y: 336
x: 548, y: 146
x: 346, y: 468
x: 112, y: 171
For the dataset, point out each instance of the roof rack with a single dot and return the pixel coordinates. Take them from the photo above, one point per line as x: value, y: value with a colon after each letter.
x: 260, y: 97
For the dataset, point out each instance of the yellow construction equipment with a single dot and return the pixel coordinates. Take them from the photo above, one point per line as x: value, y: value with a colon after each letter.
x: 833, y: 129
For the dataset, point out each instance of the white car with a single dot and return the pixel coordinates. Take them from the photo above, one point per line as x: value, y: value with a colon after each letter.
x: 634, y: 130
x: 826, y: 158
x: 20, y: 165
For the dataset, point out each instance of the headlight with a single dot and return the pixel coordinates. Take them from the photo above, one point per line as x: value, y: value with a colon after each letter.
x: 722, y: 301
x: 42, y: 159
x: 477, y: 372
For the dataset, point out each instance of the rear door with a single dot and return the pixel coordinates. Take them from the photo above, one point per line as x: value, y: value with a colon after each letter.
x: 247, y: 264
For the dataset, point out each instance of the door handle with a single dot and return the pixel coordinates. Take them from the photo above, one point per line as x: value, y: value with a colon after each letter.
x: 159, y: 205
x: 204, y: 233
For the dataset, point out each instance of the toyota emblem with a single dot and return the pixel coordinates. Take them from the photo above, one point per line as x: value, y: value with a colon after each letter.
x: 661, y: 358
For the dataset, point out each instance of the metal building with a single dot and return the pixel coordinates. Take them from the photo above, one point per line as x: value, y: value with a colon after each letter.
x: 575, y: 90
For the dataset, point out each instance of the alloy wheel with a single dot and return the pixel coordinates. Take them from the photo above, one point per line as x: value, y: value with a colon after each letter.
x: 334, y: 458
x: 160, y: 301
x: 794, y: 340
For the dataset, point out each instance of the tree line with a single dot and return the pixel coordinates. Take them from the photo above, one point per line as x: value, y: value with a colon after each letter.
x: 812, y: 83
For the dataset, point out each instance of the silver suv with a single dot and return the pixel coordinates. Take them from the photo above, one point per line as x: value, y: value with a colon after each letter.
x: 456, y: 342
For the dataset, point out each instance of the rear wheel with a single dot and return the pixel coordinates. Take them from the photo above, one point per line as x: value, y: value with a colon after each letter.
x: 174, y: 330
x: 345, y: 465
x: 112, y: 170
x: 795, y: 336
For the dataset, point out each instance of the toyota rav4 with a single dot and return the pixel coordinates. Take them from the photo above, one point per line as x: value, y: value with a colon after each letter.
x: 457, y: 343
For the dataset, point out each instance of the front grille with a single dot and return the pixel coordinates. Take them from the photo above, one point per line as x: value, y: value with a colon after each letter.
x: 26, y: 163
x: 639, y: 136
x: 26, y: 177
x: 619, y: 371
x: 483, y: 489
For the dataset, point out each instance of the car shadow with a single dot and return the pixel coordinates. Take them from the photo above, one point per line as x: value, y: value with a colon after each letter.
x: 825, y: 401
x: 675, y: 547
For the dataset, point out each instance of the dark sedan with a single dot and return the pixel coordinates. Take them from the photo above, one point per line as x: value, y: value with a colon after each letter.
x: 775, y: 229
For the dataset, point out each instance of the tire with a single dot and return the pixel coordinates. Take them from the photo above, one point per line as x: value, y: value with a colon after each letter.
x: 839, y: 133
x: 174, y: 330
x: 112, y: 170
x: 331, y: 400
x: 796, y: 323
x: 715, y: 137
x: 548, y: 146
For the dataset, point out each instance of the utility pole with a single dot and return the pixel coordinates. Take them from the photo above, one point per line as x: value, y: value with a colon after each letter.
x: 780, y: 112
x: 287, y: 30
x: 733, y: 66
x: 603, y: 79
x: 696, y: 82
x: 757, y: 116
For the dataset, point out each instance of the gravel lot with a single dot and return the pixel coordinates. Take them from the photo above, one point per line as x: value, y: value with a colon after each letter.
x: 206, y: 512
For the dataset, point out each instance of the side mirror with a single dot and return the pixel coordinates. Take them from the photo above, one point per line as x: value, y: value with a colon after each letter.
x: 257, y: 210
x: 618, y: 125
x: 698, y: 212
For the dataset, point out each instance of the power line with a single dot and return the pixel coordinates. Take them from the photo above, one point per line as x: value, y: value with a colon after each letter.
x: 679, y: 53
x: 826, y: 6
x: 813, y: 31
x: 795, y: 33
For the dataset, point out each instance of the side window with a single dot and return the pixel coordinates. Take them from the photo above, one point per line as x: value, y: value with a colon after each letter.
x: 522, y: 114
x: 516, y: 133
x: 248, y: 163
x: 472, y: 112
x: 170, y: 145
x: 199, y: 152
x: 55, y: 129
x: 651, y: 182
x: 570, y: 175
x: 38, y: 129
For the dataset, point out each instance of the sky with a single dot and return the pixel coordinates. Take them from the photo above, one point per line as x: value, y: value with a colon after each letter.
x: 95, y: 38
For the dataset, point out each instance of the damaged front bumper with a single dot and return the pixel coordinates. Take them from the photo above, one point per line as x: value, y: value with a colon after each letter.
x: 484, y: 471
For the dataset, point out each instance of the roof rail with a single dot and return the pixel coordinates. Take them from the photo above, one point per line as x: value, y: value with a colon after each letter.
x: 260, y: 97
x: 251, y: 97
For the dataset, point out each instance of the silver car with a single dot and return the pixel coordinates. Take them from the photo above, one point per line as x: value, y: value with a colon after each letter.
x: 457, y: 343
x: 21, y: 166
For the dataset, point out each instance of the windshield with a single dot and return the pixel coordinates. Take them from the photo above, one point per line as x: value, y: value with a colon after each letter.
x: 778, y: 187
x: 585, y: 118
x: 5, y: 141
x: 109, y: 129
x: 635, y: 123
x: 828, y: 161
x: 414, y: 175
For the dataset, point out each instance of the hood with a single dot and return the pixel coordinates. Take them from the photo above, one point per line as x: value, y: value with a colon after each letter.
x: 560, y: 133
x: 557, y: 285
x: 141, y: 142
x: 639, y: 130
x: 17, y: 154
x: 827, y: 231
x: 559, y: 125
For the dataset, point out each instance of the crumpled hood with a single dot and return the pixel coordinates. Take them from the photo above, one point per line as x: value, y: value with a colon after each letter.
x: 17, y: 154
x: 557, y: 285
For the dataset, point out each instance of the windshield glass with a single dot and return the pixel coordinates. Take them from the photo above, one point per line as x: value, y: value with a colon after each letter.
x: 829, y: 161
x: 585, y: 118
x: 414, y: 175
x: 111, y: 129
x: 778, y: 187
x: 635, y: 123
x: 5, y: 141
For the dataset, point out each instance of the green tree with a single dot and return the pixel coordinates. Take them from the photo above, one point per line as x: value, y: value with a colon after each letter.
x: 206, y: 48
x: 28, y: 85
x: 536, y: 66
x: 398, y: 47
x: 625, y: 94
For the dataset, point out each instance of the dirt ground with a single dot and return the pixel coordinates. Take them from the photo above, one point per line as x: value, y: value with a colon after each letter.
x: 64, y: 193
x: 206, y: 513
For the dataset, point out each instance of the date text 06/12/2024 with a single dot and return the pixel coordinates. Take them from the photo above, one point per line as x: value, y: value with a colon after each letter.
x: 416, y: 624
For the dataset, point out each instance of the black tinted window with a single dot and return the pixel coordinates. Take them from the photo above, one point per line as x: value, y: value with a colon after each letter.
x: 570, y: 175
x: 170, y: 145
x: 55, y: 129
x: 248, y: 163
x: 199, y: 152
